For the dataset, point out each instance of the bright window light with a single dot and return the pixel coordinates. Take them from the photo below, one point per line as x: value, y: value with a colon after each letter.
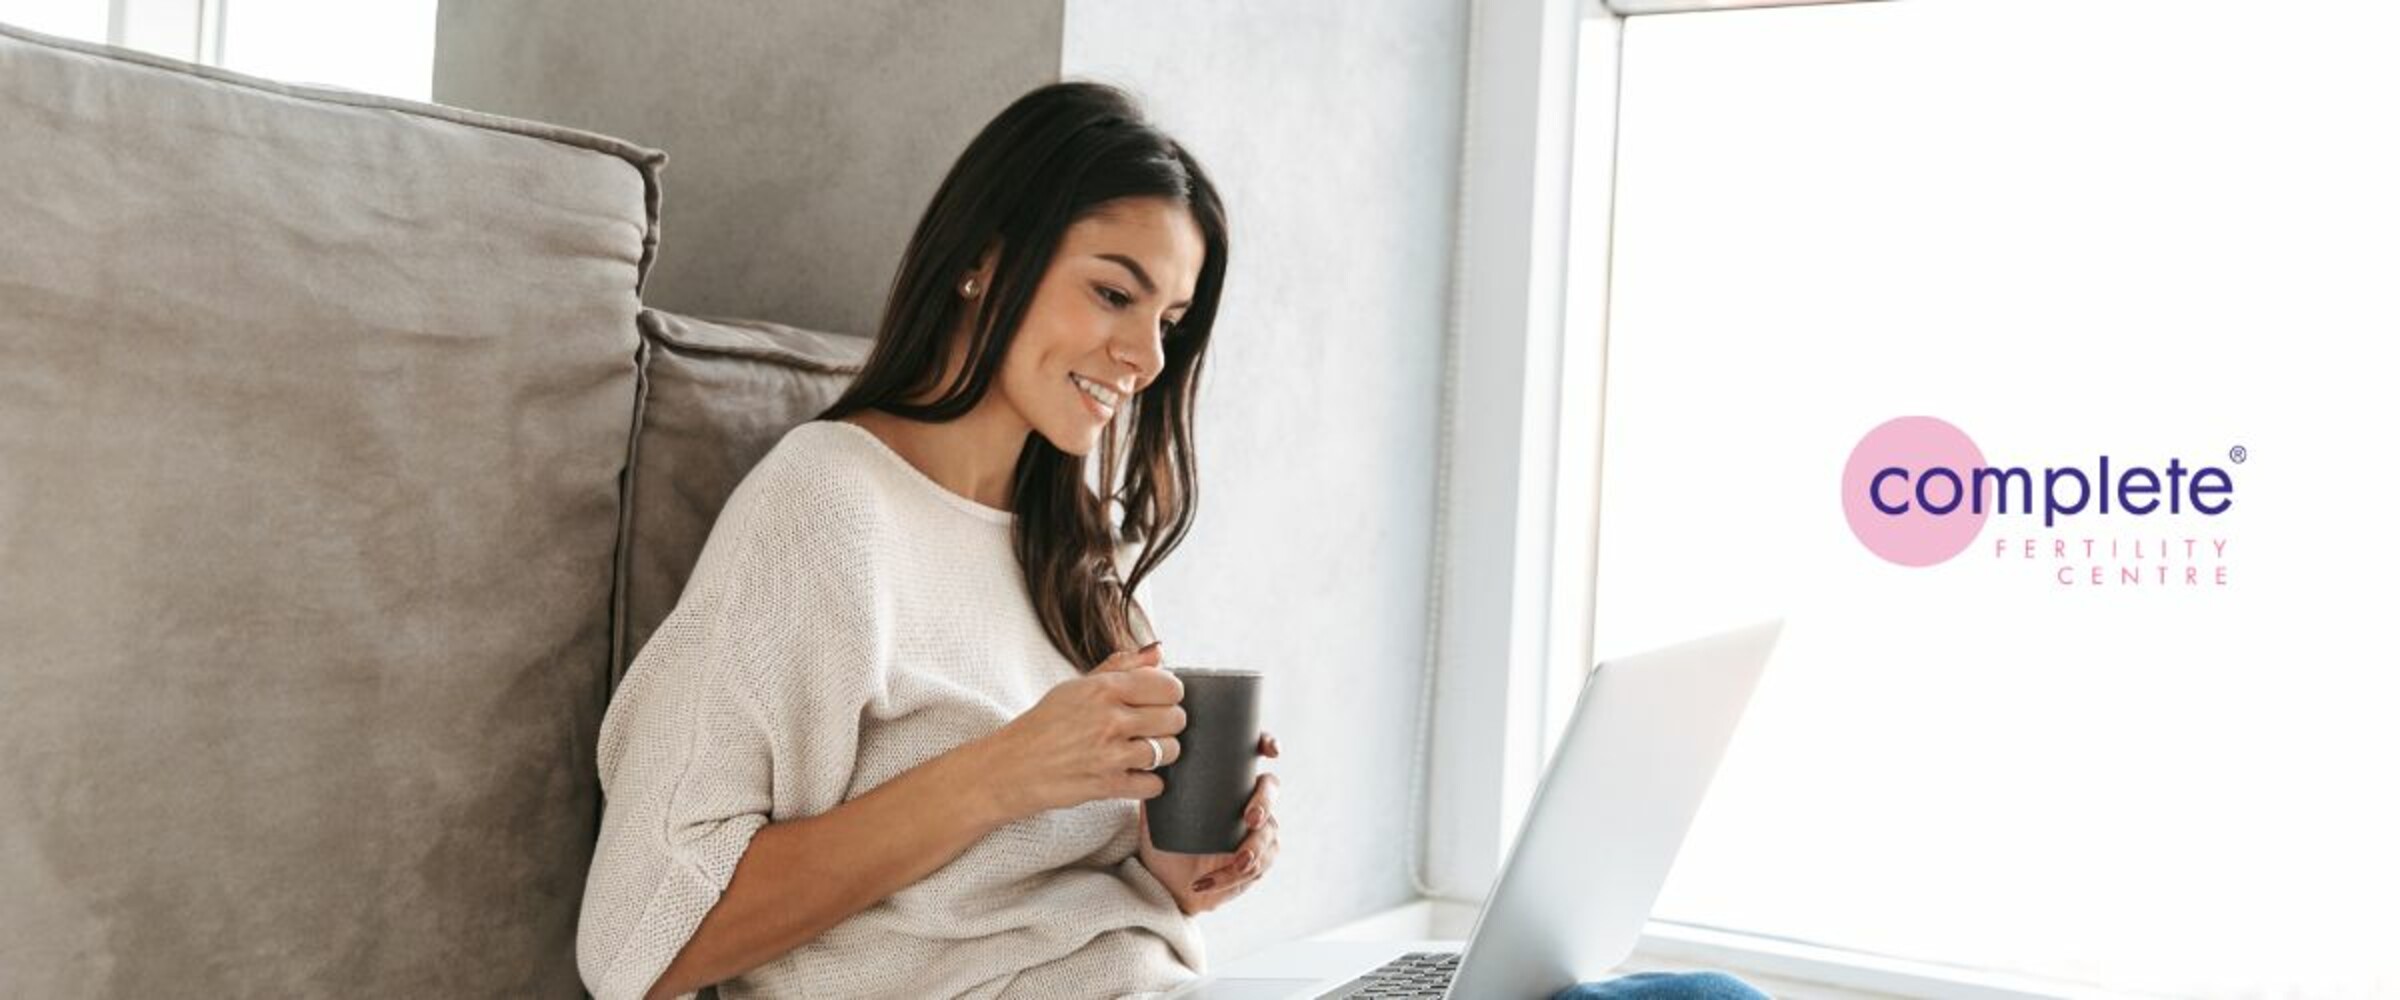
x: 377, y: 46
x: 83, y: 20
x: 2152, y: 229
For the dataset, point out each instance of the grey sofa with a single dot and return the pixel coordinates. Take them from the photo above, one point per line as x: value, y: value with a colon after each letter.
x: 341, y: 473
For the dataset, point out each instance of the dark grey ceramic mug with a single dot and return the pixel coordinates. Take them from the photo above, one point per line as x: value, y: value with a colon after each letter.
x: 1210, y: 784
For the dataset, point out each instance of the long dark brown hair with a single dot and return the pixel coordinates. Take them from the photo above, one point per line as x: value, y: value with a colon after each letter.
x: 1055, y: 156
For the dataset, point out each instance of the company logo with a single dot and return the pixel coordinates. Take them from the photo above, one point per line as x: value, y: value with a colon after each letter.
x: 1917, y: 491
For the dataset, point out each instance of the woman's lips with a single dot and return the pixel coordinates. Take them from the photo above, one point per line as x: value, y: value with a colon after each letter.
x: 1090, y: 402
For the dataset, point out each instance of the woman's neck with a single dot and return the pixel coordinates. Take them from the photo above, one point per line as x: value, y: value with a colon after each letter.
x: 974, y: 456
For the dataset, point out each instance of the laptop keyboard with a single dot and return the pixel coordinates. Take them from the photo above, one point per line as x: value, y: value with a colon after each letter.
x: 1418, y: 974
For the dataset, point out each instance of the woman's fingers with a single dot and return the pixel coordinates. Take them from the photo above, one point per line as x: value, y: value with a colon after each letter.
x: 1262, y: 799
x: 1135, y: 754
x: 1264, y: 840
x: 1142, y: 684
x: 1235, y: 887
x: 1133, y: 783
x: 1221, y: 878
x: 1257, y: 848
x: 1154, y: 720
x: 1132, y: 659
x: 1247, y: 861
x: 1235, y: 864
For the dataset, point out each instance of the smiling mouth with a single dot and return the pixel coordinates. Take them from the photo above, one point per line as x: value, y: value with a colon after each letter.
x: 1103, y: 395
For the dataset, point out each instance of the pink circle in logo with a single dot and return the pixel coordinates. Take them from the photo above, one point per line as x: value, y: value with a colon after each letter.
x: 1920, y: 446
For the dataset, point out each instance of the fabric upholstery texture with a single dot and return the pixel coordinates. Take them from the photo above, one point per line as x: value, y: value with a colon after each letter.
x: 312, y: 426
x: 717, y: 394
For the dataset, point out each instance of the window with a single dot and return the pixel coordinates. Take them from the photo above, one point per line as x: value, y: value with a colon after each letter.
x: 2153, y: 229
x: 84, y: 19
x: 380, y: 46
x: 377, y: 46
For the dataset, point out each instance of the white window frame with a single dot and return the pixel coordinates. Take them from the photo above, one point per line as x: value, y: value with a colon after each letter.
x: 190, y: 30
x: 1513, y: 566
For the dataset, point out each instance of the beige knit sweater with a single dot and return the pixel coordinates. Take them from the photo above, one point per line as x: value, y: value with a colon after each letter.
x: 848, y: 619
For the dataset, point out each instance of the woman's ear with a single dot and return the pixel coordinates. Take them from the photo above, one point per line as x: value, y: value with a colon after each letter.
x: 987, y: 262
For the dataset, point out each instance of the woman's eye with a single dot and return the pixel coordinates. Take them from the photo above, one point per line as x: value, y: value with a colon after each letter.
x: 1117, y: 299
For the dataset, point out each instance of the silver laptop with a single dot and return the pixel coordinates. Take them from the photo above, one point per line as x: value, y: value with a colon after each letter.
x: 1610, y: 813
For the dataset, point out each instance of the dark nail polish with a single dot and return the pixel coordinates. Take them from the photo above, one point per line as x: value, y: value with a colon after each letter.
x: 1203, y: 885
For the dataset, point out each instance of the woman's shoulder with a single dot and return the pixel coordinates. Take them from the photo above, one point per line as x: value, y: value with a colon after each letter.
x: 814, y: 448
x: 814, y: 481
x: 822, y: 459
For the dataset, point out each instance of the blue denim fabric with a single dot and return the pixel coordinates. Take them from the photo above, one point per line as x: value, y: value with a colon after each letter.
x: 1665, y: 986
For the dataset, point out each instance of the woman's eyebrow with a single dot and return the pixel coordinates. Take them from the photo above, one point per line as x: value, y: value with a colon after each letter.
x: 1148, y: 287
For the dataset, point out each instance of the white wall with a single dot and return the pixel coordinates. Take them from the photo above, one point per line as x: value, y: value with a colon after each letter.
x: 1334, y: 137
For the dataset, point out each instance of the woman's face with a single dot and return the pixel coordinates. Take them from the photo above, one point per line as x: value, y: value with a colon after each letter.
x: 1120, y: 279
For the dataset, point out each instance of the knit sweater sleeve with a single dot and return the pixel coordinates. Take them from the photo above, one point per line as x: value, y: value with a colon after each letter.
x: 748, y: 692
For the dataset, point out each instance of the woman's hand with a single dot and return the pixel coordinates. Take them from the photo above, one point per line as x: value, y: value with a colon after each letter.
x: 1203, y: 882
x: 1085, y: 739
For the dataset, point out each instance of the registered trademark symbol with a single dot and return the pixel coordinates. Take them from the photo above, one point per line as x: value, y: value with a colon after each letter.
x: 2239, y: 454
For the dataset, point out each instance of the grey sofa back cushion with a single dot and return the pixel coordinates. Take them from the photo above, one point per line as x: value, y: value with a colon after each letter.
x: 311, y: 428
x: 716, y: 395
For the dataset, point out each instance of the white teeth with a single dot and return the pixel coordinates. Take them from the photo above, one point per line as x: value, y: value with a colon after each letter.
x: 1106, y: 396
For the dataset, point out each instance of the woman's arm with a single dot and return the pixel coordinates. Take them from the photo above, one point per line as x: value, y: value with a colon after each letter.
x: 799, y: 877
x: 802, y: 876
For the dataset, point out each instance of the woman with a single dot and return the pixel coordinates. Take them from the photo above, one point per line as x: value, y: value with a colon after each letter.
x: 893, y: 738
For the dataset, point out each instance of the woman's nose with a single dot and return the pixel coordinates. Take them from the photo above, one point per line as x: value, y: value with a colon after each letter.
x: 1144, y: 355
